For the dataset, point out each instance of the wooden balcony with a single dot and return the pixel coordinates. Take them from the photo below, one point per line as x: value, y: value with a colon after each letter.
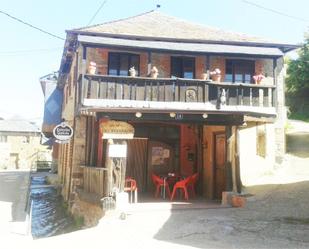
x: 165, y: 94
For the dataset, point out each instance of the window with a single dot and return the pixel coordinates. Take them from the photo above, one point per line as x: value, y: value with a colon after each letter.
x: 25, y: 139
x: 239, y: 71
x: 261, y: 140
x: 183, y: 67
x: 120, y: 63
x: 3, y: 139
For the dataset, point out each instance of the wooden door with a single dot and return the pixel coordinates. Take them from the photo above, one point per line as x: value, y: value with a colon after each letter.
x: 160, y: 160
x: 219, y: 164
x: 137, y: 162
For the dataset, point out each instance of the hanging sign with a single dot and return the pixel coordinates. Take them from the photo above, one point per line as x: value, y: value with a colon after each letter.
x: 116, y: 130
x: 63, y: 133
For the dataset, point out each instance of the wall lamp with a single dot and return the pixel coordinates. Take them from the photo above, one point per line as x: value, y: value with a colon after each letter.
x: 138, y: 114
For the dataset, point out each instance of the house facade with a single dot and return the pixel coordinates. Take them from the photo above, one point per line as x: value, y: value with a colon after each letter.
x: 187, y: 94
x: 20, y: 145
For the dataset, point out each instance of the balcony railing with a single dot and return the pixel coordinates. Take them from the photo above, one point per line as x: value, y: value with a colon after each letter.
x: 176, y: 90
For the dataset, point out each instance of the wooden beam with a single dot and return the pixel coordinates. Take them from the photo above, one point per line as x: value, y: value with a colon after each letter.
x: 248, y: 118
x: 237, y: 162
x: 212, y: 119
x: 229, y: 158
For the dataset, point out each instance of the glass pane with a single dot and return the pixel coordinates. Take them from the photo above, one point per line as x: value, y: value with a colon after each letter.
x: 176, y: 67
x: 188, y: 68
x: 228, y: 77
x: 248, y: 78
x: 188, y: 75
x: 124, y: 65
x: 238, y: 78
x: 229, y: 67
x: 113, y: 64
x: 134, y: 61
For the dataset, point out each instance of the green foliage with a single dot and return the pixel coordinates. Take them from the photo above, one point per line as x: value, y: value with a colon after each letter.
x: 300, y: 116
x: 78, y: 222
x: 297, y: 80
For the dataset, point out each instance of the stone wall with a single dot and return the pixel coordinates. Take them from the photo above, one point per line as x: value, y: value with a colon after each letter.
x: 90, y: 210
x: 22, y: 150
x: 281, y: 111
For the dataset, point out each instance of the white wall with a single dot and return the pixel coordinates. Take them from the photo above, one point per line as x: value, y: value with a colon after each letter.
x: 253, y: 166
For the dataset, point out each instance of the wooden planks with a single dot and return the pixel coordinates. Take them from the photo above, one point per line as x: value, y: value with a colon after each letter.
x: 94, y: 180
x: 175, y: 90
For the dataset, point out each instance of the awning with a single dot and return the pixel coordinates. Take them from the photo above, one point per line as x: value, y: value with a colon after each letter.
x: 181, y: 47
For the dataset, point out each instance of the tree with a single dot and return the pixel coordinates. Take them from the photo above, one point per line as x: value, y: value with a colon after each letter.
x: 297, y: 84
x: 297, y: 81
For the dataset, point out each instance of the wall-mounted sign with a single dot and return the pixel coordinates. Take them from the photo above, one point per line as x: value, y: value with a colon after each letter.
x: 117, y: 150
x: 63, y: 133
x: 116, y: 130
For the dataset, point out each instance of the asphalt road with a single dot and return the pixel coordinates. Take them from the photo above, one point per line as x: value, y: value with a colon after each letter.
x: 13, y: 196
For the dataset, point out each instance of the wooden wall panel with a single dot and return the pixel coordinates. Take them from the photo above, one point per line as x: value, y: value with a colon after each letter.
x: 137, y: 162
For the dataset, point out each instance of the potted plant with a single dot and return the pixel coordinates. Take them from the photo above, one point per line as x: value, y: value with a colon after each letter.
x: 258, y: 78
x: 132, y: 72
x: 216, y: 75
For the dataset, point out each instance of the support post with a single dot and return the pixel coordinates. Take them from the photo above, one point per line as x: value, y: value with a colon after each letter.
x: 229, y: 158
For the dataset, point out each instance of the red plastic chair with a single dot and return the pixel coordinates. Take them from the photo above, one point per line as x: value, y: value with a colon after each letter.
x: 192, y: 183
x: 158, y: 182
x: 130, y: 186
x: 182, y: 185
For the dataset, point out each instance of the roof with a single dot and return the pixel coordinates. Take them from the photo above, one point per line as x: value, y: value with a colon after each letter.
x: 179, y: 47
x: 18, y: 126
x: 156, y: 25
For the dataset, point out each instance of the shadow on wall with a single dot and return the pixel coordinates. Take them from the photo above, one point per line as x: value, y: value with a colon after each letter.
x: 298, y: 144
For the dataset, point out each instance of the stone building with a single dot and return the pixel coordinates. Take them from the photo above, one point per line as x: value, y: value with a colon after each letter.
x: 20, y: 145
x: 199, y: 100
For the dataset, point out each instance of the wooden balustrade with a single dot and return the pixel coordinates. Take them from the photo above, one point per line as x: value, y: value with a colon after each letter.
x: 93, y: 179
x: 175, y: 90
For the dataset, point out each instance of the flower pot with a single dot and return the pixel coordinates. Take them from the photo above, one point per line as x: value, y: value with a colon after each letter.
x: 238, y: 201
x: 216, y: 77
x: 204, y: 76
x: 92, y: 68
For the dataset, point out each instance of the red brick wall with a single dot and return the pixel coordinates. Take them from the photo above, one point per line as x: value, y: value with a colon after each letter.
x: 218, y: 62
x: 143, y: 64
x: 200, y: 66
x: 163, y: 64
x: 259, y: 68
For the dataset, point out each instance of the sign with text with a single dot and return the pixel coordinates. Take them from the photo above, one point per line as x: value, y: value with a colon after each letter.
x: 63, y: 133
x: 117, y: 150
x: 116, y: 130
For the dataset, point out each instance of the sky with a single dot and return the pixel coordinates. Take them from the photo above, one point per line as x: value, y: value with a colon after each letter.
x: 27, y: 54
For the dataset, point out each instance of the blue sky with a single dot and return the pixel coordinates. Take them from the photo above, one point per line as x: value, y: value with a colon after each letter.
x: 20, y: 92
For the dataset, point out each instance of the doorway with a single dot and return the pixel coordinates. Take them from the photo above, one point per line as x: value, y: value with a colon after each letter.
x: 219, y: 164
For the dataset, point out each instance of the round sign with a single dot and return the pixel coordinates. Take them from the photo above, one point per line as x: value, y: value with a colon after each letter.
x: 63, y: 132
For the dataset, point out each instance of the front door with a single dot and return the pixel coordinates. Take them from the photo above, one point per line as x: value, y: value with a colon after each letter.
x: 219, y: 164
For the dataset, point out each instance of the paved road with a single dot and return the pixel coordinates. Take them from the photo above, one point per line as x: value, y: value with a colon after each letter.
x: 13, y: 197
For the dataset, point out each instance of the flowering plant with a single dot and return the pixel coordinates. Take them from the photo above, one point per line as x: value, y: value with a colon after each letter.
x: 217, y: 71
x: 258, y: 77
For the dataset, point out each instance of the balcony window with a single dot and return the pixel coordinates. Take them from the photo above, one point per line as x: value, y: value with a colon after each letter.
x: 183, y: 67
x: 120, y: 63
x: 239, y: 71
